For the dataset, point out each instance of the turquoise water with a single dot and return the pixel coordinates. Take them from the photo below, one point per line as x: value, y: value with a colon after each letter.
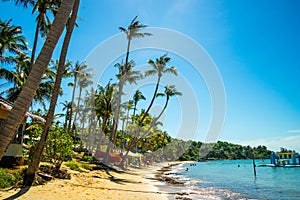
x: 225, y: 180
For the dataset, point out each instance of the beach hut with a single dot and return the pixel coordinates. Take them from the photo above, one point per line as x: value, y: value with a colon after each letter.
x: 13, y: 154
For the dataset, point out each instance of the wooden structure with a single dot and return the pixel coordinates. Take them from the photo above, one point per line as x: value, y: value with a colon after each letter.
x: 13, y: 154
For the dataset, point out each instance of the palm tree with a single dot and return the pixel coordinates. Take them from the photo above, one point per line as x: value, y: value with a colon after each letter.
x: 84, y: 80
x: 11, y: 41
x: 15, y: 117
x: 125, y: 74
x: 103, y: 106
x: 43, y: 21
x: 76, y: 72
x: 33, y: 166
x: 133, y: 31
x: 16, y: 78
x: 66, y: 107
x: 159, y: 68
x: 128, y: 107
x: 138, y: 95
x: 169, y: 92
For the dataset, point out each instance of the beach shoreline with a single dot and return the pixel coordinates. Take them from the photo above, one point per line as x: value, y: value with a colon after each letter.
x: 135, y: 183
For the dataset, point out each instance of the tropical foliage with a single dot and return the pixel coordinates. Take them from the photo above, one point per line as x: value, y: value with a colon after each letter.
x: 58, y: 146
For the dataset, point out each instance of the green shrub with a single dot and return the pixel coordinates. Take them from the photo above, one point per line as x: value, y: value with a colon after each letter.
x: 59, y: 146
x: 10, y: 178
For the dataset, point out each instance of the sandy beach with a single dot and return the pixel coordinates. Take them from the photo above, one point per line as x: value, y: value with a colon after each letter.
x: 132, y: 184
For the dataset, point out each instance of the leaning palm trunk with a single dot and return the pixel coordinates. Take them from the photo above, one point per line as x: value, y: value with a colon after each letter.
x: 34, y: 164
x: 76, y: 113
x: 20, y: 107
x: 152, y: 100
x: 36, y: 35
x: 72, y: 103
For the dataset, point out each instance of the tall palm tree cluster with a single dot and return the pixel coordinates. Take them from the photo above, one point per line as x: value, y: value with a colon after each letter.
x: 93, y: 116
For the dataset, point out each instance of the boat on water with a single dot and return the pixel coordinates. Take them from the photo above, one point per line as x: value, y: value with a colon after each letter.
x: 284, y: 158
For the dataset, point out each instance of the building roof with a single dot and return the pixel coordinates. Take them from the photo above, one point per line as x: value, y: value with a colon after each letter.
x: 8, y: 105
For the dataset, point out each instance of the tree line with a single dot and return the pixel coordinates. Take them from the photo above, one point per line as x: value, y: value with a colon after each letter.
x: 223, y: 150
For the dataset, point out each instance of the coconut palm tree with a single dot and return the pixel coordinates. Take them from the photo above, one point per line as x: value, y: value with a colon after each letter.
x: 84, y: 80
x: 126, y: 74
x: 16, y: 78
x: 132, y: 31
x: 43, y: 21
x: 20, y: 107
x: 76, y: 72
x: 138, y: 95
x: 170, y: 91
x: 66, y: 107
x: 103, y: 106
x: 159, y: 68
x: 11, y: 41
x: 128, y: 106
x: 34, y: 164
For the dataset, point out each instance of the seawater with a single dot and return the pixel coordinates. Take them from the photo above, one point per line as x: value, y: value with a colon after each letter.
x: 234, y: 179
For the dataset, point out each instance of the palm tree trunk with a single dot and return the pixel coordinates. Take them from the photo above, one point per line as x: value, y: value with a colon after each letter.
x: 134, y: 110
x: 15, y: 117
x: 116, y: 118
x: 152, y: 100
x: 77, y: 110
x: 36, y: 36
x: 33, y: 166
x: 103, y: 126
x: 127, y: 51
x: 72, y: 103
x: 134, y: 142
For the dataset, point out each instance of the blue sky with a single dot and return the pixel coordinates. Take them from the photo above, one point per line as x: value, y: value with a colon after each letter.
x: 255, y: 46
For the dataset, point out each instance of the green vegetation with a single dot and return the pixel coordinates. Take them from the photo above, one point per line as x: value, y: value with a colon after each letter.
x: 78, y: 166
x: 223, y: 150
x: 10, y: 178
x: 58, y: 146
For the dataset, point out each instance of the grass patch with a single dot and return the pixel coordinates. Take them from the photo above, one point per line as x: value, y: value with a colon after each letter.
x: 78, y: 166
x: 10, y: 177
x: 73, y: 165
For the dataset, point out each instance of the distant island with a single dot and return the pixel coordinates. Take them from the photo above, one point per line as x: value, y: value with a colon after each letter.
x: 221, y: 150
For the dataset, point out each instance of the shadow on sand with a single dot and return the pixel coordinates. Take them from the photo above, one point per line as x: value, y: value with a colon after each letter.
x: 18, y: 194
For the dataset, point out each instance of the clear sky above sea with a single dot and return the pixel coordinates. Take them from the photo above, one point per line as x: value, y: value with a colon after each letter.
x: 255, y: 46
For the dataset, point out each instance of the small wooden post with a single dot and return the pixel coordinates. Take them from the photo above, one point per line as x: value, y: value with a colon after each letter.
x: 254, y: 166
